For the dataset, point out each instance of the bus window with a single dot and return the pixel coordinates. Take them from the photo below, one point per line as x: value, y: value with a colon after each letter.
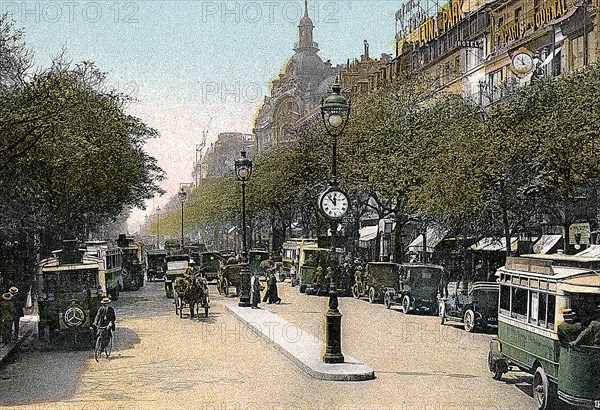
x: 534, y: 305
x: 505, y: 299
x: 543, y: 302
x: 551, y: 308
x: 519, y: 303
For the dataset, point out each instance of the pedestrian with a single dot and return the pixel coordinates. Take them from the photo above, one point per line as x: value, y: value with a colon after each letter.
x: 255, y: 288
x: 18, y: 312
x: 293, y: 278
x: 271, y: 294
x: 568, y: 330
x: 6, y: 317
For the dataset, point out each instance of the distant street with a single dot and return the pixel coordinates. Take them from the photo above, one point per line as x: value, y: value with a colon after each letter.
x: 161, y: 361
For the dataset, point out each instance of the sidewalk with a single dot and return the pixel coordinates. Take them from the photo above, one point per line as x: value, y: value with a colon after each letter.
x: 302, y: 348
x: 28, y: 326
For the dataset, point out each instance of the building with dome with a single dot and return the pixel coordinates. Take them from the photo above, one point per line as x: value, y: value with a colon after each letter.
x: 303, y: 80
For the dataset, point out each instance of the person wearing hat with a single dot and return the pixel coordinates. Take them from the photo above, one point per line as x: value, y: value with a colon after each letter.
x: 568, y: 330
x: 18, y: 312
x: 590, y: 336
x: 6, y: 317
x: 106, y: 315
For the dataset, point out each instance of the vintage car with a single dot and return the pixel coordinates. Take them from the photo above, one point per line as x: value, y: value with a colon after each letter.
x: 255, y: 257
x: 476, y: 307
x: 155, y: 264
x: 176, y: 267
x: 315, y: 282
x: 229, y: 275
x: 417, y: 288
x: 377, y: 277
x: 208, y: 264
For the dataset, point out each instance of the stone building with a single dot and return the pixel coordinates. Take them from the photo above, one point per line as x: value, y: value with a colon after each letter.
x: 219, y: 158
x: 295, y: 93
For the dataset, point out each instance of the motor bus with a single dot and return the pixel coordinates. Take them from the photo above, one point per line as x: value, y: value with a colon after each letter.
x: 290, y: 254
x: 110, y: 258
x: 534, y: 294
x: 69, y: 290
x: 156, y: 265
x: 133, y: 269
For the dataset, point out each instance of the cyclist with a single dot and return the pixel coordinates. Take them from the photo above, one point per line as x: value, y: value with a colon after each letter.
x: 105, y: 318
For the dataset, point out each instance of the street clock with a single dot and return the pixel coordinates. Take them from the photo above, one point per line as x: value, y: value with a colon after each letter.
x: 334, y: 203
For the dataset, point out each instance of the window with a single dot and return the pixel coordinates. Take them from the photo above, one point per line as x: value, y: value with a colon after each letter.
x: 505, y: 298
x: 495, y: 85
x: 543, y: 302
x: 534, y: 307
x: 519, y: 303
x: 551, y: 308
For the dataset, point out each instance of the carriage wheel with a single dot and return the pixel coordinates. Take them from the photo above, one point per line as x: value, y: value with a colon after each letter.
x: 219, y: 286
x: 225, y: 287
x: 373, y: 295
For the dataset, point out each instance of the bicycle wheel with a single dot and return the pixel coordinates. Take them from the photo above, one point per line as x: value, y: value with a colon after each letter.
x: 109, y: 345
x: 98, y: 348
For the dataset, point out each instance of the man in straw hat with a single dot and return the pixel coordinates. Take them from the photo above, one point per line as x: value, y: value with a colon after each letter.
x: 18, y: 312
x: 6, y: 317
x: 106, y: 315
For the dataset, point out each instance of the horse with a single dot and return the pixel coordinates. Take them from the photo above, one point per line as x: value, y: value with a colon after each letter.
x: 193, y: 290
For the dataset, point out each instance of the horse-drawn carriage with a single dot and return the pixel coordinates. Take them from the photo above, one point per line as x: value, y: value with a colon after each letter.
x: 229, y: 275
x: 191, y: 290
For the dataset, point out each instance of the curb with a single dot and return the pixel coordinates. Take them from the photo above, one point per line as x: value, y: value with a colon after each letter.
x: 305, y: 355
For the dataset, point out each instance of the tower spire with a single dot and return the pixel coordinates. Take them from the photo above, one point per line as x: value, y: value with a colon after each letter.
x: 305, y: 8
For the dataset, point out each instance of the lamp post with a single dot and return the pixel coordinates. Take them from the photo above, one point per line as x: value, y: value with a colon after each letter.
x: 334, y: 204
x: 182, y: 197
x: 243, y: 170
x: 158, y: 227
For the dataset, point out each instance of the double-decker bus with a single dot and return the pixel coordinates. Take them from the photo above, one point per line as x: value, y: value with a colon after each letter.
x: 535, y: 296
x: 110, y: 259
x: 68, y: 294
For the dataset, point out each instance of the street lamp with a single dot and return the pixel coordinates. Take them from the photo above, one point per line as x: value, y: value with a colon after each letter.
x: 334, y: 204
x: 158, y: 227
x: 182, y: 197
x: 243, y: 171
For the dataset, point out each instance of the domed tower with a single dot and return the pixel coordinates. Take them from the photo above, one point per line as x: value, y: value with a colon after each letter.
x: 305, y: 34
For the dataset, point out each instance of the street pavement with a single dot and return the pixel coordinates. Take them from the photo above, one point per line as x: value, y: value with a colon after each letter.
x: 162, y: 361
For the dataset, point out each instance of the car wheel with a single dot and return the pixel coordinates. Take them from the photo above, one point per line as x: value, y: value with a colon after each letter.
x: 355, y: 293
x: 469, y: 320
x: 442, y: 312
x: 302, y: 288
x: 406, y: 304
x: 372, y: 295
x: 387, y: 300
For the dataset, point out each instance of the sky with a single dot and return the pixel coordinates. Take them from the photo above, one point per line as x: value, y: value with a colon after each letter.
x: 186, y: 62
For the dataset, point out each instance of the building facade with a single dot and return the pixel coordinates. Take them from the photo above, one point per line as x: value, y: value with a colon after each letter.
x: 296, y: 92
x: 219, y: 158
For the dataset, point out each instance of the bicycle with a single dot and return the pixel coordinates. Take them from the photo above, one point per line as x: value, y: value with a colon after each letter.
x: 104, y: 342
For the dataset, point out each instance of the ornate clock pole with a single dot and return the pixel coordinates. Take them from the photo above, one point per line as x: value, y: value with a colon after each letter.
x: 334, y: 204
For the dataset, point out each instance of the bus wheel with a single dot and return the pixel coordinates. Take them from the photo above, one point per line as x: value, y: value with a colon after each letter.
x: 541, y: 389
x: 494, y: 367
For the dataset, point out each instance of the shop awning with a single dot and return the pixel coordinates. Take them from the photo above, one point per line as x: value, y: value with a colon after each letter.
x: 491, y: 244
x: 433, y: 238
x: 367, y: 233
x: 546, y: 243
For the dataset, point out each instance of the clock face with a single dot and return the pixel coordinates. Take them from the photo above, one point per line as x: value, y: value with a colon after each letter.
x: 522, y: 63
x: 334, y: 204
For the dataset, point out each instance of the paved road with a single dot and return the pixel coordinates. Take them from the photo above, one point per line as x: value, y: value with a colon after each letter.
x: 161, y: 361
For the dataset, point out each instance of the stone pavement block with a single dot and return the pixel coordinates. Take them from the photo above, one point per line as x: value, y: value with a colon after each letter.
x: 302, y: 348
